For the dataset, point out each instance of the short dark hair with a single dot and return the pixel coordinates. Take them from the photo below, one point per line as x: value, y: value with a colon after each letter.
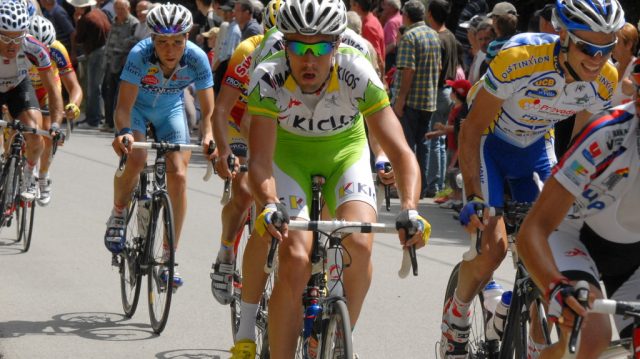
x: 366, y: 5
x: 414, y: 9
x: 507, y: 25
x: 439, y: 10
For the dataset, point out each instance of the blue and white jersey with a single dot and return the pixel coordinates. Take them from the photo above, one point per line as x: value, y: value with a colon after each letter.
x: 601, y: 169
x: 143, y: 70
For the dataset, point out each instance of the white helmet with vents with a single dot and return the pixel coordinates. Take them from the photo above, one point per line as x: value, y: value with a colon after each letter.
x: 604, y: 16
x: 312, y: 17
x: 13, y: 16
x: 43, y: 30
x: 169, y: 19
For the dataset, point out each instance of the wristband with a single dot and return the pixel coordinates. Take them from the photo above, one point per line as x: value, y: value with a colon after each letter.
x: 380, y: 162
x: 124, y: 131
x: 555, y: 283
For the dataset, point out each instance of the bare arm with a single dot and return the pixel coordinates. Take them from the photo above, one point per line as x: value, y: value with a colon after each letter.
x: 226, y: 100
x: 483, y: 112
x: 71, y: 84
x: 545, y: 216
x: 205, y: 96
x: 55, y: 96
x: 385, y: 127
x: 262, y: 142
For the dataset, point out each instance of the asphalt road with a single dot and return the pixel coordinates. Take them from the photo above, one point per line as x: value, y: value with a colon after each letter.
x: 62, y: 298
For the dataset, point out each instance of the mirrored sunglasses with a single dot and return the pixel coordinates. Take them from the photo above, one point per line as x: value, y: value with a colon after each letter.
x: 590, y: 49
x: 317, y: 49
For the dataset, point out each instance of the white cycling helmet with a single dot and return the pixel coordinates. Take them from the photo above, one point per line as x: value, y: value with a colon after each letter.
x: 312, y: 17
x: 13, y: 16
x: 270, y: 12
x: 169, y: 19
x: 604, y: 16
x: 43, y: 30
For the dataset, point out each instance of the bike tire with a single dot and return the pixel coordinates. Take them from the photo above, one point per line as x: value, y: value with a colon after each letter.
x: 26, y: 211
x: 129, y: 268
x: 479, y: 346
x: 161, y: 236
x: 241, y: 240
x: 8, y: 195
x: 336, y: 336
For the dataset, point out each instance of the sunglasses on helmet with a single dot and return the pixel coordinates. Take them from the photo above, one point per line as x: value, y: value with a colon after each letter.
x: 317, y: 49
x: 590, y: 49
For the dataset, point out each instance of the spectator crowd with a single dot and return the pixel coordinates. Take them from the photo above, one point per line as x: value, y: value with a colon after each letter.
x: 429, y: 52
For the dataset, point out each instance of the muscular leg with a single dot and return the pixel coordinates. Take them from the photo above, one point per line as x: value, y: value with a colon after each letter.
x: 234, y: 213
x: 32, y: 118
x: 357, y: 277
x: 285, y: 316
x: 45, y: 158
x: 177, y: 163
x: 474, y: 274
x: 123, y: 185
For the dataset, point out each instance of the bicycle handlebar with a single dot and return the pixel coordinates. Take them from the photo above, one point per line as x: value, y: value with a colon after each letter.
x: 158, y: 146
x: 340, y: 226
x: 475, y: 246
x: 18, y: 126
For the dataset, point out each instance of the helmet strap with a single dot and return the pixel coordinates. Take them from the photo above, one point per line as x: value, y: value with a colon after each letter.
x: 564, y: 48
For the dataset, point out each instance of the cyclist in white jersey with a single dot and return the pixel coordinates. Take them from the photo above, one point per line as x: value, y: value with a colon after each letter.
x: 598, y: 183
x: 308, y: 104
x: 18, y: 51
x: 535, y: 81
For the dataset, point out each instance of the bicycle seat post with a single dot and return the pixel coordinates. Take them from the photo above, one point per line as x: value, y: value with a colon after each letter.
x: 317, y: 182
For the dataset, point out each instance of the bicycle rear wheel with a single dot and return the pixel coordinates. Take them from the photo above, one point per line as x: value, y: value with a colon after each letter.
x: 25, y: 213
x: 336, y: 337
x: 479, y: 346
x: 130, y: 273
x: 161, y: 261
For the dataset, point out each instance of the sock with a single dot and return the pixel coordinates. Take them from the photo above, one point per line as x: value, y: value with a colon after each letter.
x: 247, y: 329
x: 460, y: 311
x: 42, y: 175
x: 225, y: 253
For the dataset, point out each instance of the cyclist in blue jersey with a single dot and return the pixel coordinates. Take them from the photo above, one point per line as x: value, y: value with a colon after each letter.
x: 157, y: 71
x: 535, y: 81
x: 308, y: 105
x: 597, y: 182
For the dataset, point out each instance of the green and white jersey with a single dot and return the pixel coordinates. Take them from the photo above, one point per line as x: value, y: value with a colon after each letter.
x: 353, y: 89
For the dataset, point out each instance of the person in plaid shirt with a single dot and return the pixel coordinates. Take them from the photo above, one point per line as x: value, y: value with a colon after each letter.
x: 419, y: 66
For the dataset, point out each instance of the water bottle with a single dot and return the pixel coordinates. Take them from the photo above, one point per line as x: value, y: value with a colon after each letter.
x: 500, y: 316
x: 334, y: 266
x: 144, y: 208
x: 310, y: 314
x: 492, y: 293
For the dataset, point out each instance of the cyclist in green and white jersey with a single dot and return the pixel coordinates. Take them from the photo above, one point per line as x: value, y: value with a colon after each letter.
x: 308, y: 105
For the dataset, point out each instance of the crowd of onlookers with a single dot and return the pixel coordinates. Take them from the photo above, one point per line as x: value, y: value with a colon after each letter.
x: 429, y: 52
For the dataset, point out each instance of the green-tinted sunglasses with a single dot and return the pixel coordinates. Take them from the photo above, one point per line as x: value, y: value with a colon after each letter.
x: 317, y: 49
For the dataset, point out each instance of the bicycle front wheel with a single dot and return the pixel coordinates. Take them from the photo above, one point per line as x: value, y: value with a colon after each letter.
x: 336, y: 338
x: 25, y: 213
x: 130, y: 274
x: 9, y: 191
x: 478, y: 345
x: 161, y: 261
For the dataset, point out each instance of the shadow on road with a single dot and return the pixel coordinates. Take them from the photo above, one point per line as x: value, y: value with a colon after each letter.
x: 193, y: 354
x: 9, y: 246
x: 89, y: 325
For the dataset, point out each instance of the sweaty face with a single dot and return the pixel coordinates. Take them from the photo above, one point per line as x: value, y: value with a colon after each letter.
x: 310, y: 59
x: 170, y: 49
x: 581, y: 56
